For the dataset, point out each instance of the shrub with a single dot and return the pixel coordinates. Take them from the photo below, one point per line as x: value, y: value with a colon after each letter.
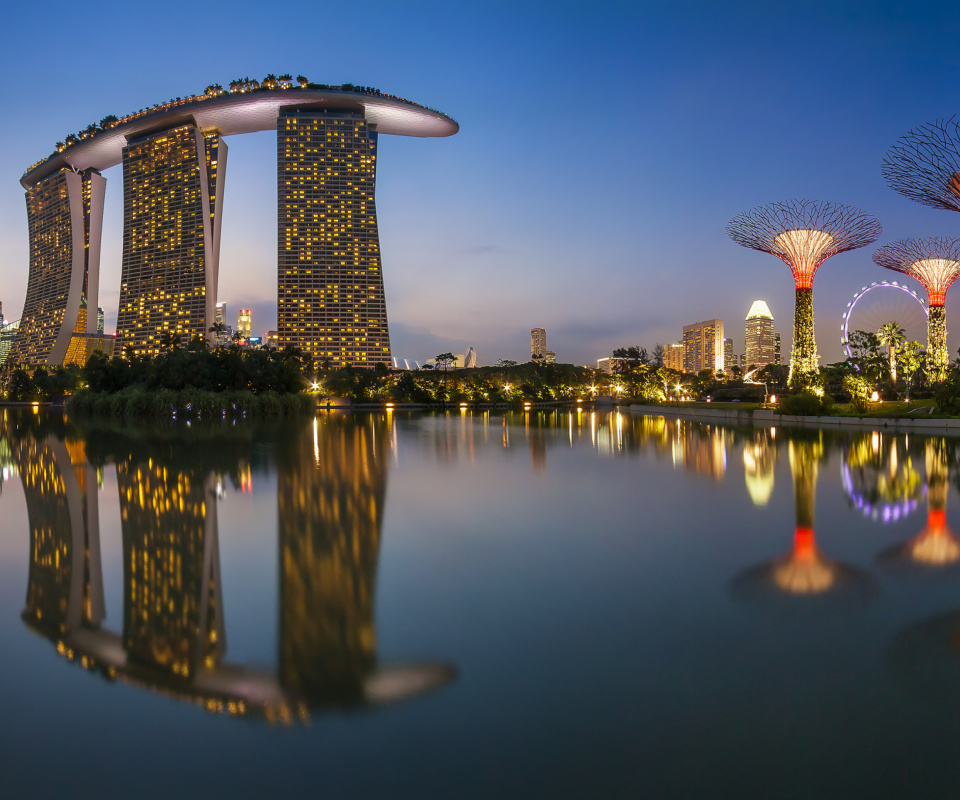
x: 803, y: 404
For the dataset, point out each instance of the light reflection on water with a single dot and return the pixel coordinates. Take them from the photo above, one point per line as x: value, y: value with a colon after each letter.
x: 570, y: 602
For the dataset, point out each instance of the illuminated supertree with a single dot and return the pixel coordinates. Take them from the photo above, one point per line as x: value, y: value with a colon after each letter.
x: 924, y: 165
x: 935, y: 263
x: 803, y: 234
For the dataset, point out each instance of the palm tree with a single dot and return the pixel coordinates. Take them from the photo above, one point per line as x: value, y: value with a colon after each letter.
x: 892, y: 335
x: 218, y: 329
x: 169, y: 341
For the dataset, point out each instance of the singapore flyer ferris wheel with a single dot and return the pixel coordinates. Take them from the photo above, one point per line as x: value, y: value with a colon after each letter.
x: 881, y: 302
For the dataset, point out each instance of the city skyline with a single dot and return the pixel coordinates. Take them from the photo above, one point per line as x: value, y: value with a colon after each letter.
x: 459, y: 219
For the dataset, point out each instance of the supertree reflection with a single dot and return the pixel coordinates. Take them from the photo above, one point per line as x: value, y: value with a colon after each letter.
x: 936, y: 546
x: 804, y: 571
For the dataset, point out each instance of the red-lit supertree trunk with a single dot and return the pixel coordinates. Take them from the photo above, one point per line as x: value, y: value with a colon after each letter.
x: 803, y: 234
x: 935, y: 263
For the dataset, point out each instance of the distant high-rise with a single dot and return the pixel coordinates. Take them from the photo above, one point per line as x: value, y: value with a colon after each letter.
x: 673, y: 356
x: 245, y: 322
x: 100, y: 319
x: 172, y: 199
x: 729, y: 359
x: 703, y: 346
x: 538, y: 343
x: 760, y: 336
x: 776, y: 349
x: 471, y: 360
x: 7, y: 335
x: 549, y: 357
x: 330, y: 293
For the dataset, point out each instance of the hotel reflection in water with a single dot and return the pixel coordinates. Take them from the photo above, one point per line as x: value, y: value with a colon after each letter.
x: 332, y: 480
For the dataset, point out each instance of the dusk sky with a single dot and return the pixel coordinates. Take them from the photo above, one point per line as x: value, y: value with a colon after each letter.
x: 603, y: 148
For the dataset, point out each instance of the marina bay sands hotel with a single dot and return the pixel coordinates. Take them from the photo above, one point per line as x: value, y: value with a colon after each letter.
x: 330, y: 285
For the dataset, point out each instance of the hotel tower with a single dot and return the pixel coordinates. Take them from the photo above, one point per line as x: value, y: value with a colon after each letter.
x: 330, y: 299
x: 172, y: 201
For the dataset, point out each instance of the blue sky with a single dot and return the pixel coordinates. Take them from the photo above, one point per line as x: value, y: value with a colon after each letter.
x: 603, y: 148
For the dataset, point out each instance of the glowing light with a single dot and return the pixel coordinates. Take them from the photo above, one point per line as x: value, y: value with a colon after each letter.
x: 875, y: 397
x: 804, y: 250
x: 773, y: 398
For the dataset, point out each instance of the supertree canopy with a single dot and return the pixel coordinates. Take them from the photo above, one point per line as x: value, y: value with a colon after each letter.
x: 803, y: 234
x: 935, y: 263
x: 924, y: 165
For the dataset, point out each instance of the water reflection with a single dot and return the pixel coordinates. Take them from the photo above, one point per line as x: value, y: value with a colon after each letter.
x: 936, y: 546
x: 760, y: 457
x: 332, y: 484
x: 804, y: 571
x: 879, y: 476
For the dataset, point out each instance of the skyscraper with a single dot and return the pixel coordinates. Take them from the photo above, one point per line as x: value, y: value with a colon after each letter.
x: 245, y: 323
x: 729, y: 359
x: 760, y: 336
x: 703, y: 346
x: 330, y: 284
x: 65, y: 217
x: 538, y: 343
x: 673, y: 356
x: 172, y: 199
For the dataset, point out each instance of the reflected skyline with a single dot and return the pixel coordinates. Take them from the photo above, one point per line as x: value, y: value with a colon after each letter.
x: 330, y: 513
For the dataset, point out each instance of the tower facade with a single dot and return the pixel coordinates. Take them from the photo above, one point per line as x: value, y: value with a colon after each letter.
x: 172, y: 201
x: 65, y: 218
x: 330, y: 299
x: 760, y: 336
x: 245, y: 323
x: 673, y: 356
x: 703, y: 346
x: 538, y: 343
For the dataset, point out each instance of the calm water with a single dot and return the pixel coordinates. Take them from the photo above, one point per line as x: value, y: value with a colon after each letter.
x: 477, y: 605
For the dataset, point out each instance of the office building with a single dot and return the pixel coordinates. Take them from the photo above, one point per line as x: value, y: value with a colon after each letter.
x: 245, y: 323
x: 776, y: 349
x: 331, y: 302
x: 538, y: 343
x: 271, y: 339
x: 172, y: 200
x: 673, y: 356
x: 703, y: 346
x: 729, y: 359
x: 8, y: 333
x: 760, y: 336
x: 549, y: 357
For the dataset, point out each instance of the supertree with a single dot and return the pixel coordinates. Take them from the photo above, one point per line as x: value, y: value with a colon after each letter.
x: 935, y: 263
x: 803, y: 234
x: 924, y: 165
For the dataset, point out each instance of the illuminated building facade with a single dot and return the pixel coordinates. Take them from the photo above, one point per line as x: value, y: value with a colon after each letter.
x: 729, y: 359
x: 673, y: 356
x: 173, y: 176
x: 65, y: 218
x: 245, y: 323
x: 8, y: 333
x: 172, y: 201
x: 330, y: 283
x: 538, y: 343
x: 703, y: 346
x: 760, y: 337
